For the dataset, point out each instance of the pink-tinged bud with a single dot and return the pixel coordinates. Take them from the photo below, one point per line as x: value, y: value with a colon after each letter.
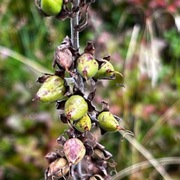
x: 74, y: 150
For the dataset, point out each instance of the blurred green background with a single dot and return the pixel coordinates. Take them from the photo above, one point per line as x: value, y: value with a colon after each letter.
x: 143, y: 40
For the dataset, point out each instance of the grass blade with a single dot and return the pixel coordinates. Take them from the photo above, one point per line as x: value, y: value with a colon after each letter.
x: 32, y: 64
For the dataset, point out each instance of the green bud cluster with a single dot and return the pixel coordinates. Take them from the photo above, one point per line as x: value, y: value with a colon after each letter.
x: 76, y: 108
x: 89, y: 67
x: 76, y: 105
x: 67, y: 88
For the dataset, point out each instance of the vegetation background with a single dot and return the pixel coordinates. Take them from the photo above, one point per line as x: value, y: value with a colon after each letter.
x: 143, y: 40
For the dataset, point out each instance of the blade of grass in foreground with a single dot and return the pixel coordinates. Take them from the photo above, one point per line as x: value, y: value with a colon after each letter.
x: 147, y: 155
x: 145, y: 164
x: 159, y: 123
x: 32, y: 64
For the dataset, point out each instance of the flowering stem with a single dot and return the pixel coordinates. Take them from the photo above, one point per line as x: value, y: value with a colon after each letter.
x: 74, y: 23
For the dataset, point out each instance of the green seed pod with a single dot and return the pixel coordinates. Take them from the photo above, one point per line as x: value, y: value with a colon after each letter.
x: 75, y: 107
x: 106, y: 70
x: 108, y: 122
x: 58, y: 168
x: 74, y: 150
x: 84, y: 124
x: 51, y: 7
x: 87, y: 66
x: 52, y: 89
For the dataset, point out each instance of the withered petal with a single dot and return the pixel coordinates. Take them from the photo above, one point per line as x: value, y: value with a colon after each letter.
x: 51, y: 156
x: 61, y: 140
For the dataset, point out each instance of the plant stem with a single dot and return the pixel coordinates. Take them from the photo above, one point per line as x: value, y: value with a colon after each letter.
x: 75, y: 22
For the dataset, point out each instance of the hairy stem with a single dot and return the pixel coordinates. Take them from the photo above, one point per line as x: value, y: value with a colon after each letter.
x: 75, y: 23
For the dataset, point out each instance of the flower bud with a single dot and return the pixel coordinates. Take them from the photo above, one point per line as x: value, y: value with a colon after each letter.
x: 51, y: 90
x: 84, y: 124
x: 75, y: 107
x: 74, y: 150
x: 58, y: 168
x: 108, y: 122
x: 87, y: 66
x: 51, y: 7
x: 106, y: 70
x: 63, y: 56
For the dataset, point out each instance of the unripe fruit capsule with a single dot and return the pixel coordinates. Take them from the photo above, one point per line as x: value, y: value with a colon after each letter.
x: 74, y: 150
x: 87, y: 66
x: 75, y: 107
x: 106, y: 70
x: 51, y: 7
x: 108, y: 122
x: 84, y: 124
x: 51, y: 90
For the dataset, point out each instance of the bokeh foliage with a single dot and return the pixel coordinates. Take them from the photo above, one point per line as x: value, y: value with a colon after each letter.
x: 151, y: 110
